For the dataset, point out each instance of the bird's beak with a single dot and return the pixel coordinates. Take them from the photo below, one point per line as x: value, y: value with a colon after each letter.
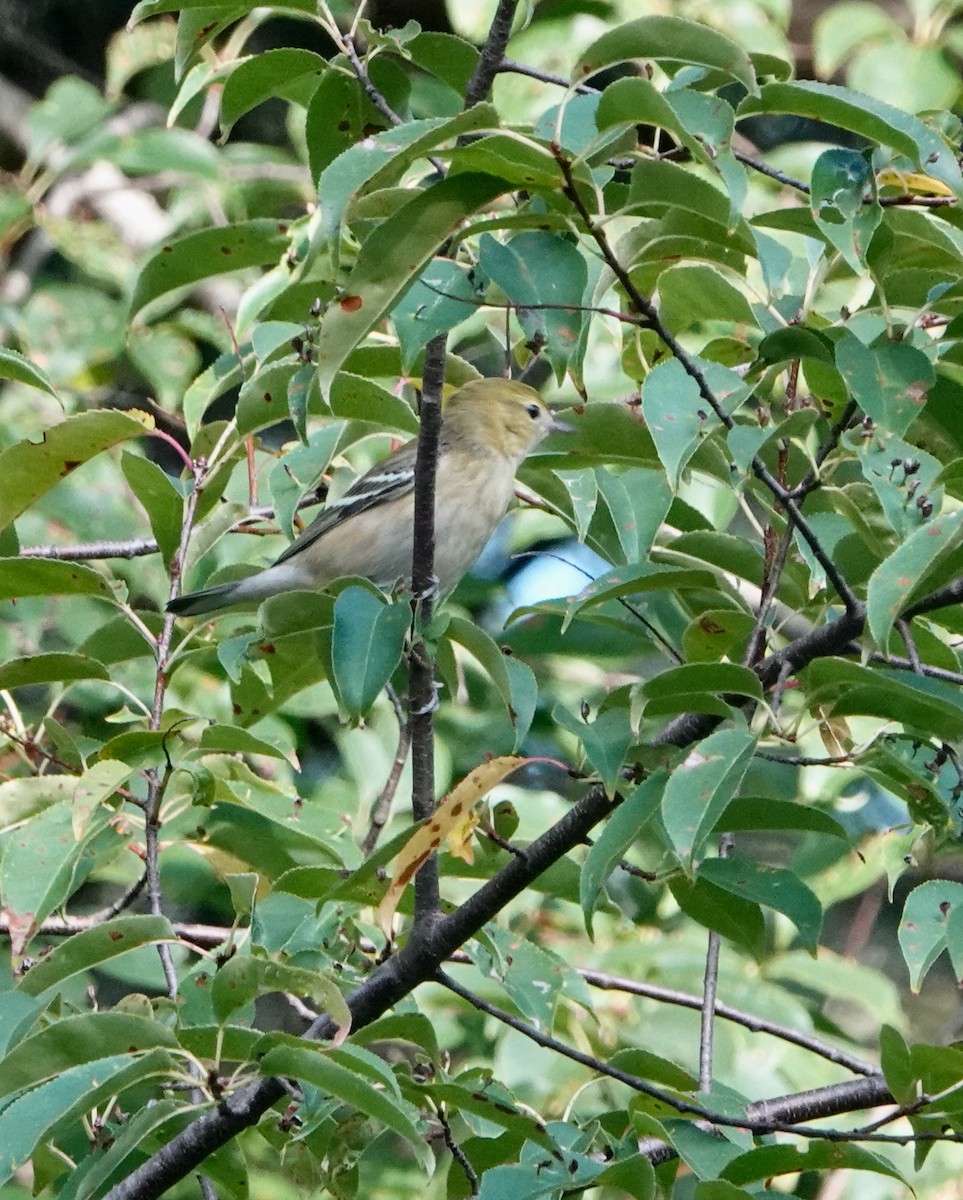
x: 558, y: 426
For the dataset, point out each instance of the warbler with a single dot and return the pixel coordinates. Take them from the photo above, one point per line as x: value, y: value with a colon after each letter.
x: 488, y: 427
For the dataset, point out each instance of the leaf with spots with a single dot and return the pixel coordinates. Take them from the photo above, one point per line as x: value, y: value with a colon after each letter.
x: 889, y: 381
x: 544, y: 276
x: 392, y: 258
x: 184, y: 261
x: 924, y: 924
x: 900, y: 576
x: 701, y: 787
x: 776, y: 887
x: 30, y: 469
x: 451, y: 821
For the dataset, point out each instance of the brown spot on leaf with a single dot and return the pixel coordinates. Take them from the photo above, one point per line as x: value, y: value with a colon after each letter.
x: 350, y: 304
x: 69, y: 465
x: 115, y: 936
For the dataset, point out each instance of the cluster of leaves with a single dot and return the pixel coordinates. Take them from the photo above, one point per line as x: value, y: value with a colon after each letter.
x: 767, y: 378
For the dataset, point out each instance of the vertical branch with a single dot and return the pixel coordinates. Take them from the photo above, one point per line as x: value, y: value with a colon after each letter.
x: 492, y: 53
x: 421, y: 666
x: 709, y: 987
x: 156, y: 782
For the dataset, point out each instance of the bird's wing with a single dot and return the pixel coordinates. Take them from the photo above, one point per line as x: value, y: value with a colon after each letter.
x: 386, y: 481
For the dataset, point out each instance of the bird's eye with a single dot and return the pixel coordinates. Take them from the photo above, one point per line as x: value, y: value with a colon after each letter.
x: 533, y: 411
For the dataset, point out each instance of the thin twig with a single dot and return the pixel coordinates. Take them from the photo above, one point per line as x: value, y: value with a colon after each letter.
x: 903, y: 628
x: 655, y: 991
x: 646, y: 307
x: 599, y: 1066
x: 511, y: 67
x: 710, y: 986
x: 381, y: 809
x: 456, y: 1151
x: 155, y: 781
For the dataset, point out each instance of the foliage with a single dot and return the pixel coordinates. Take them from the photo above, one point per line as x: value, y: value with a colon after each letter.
x: 742, y: 679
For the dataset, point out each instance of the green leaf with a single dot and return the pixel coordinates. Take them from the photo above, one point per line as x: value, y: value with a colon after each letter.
x: 536, y: 269
x: 311, y: 1065
x: 245, y: 977
x: 380, y: 161
x: 126, y: 1150
x: 776, y: 887
x: 392, y: 257
x: 767, y: 1161
x: 75, y: 1040
x: 50, y: 668
x: 32, y: 1118
x: 414, y: 1028
x: 679, y: 418
x: 705, y: 1153
x: 29, y: 469
x: 48, y: 577
x: 839, y: 179
x: 620, y: 831
x: 14, y: 366
x: 532, y: 976
x: 872, y: 119
x: 162, y: 502
x: 293, y: 475
x: 633, y: 1176
x: 692, y: 294
x: 889, y: 381
x: 513, y: 679
x: 701, y: 787
x: 369, y: 636
x: 606, y: 740
x: 21, y: 799
x: 749, y: 813
x: 489, y: 1102
x: 183, y: 261
x: 442, y: 298
x: 229, y: 739
x: 37, y: 868
x: 358, y: 399
x: 672, y: 40
x: 923, y: 925
x: 92, y: 948
x: 634, y: 579
x: 896, y: 579
x: 696, y: 686
x: 287, y: 72
x: 848, y: 688
x: 717, y: 633
x: 731, y: 916
x: 897, y: 1064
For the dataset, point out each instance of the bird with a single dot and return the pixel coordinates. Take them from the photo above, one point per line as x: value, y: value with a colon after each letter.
x: 488, y: 427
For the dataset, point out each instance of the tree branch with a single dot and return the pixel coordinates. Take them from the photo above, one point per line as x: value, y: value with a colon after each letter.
x: 492, y: 53
x: 423, y: 699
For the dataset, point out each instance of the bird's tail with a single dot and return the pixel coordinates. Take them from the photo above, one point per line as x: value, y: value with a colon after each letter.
x: 193, y: 604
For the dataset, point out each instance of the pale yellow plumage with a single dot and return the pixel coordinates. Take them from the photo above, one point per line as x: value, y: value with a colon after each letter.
x: 488, y: 428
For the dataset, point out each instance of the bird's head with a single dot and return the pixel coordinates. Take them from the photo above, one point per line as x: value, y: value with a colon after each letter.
x: 501, y: 415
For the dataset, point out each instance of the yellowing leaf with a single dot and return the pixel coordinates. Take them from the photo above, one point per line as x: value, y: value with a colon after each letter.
x: 913, y: 182
x: 454, y: 819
